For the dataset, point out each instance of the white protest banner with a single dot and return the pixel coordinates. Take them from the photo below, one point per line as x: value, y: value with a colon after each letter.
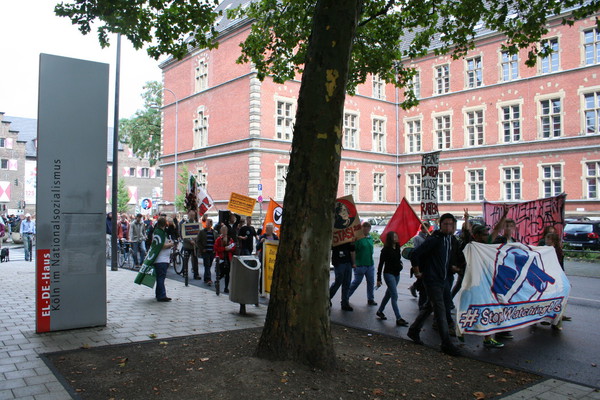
x: 509, y: 286
x: 429, y: 178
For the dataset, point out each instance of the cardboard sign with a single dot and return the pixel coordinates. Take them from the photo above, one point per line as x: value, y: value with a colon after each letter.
x: 346, y: 225
x: 429, y: 180
x: 190, y: 230
x: 240, y: 204
x: 269, y: 254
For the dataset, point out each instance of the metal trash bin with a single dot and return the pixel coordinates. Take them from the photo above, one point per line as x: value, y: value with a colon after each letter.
x: 245, y: 276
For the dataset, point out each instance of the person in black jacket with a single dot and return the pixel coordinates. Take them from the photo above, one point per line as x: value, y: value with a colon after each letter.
x: 343, y: 258
x: 434, y: 261
x: 391, y: 259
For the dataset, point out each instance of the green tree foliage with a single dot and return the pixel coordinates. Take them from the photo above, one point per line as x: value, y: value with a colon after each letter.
x: 122, y: 197
x: 184, y: 176
x: 142, y: 132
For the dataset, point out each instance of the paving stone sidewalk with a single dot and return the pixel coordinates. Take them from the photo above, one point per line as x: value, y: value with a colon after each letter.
x: 134, y: 315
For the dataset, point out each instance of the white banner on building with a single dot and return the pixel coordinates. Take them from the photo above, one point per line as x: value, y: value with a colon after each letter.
x: 508, y: 286
x: 429, y: 180
x: 30, y: 181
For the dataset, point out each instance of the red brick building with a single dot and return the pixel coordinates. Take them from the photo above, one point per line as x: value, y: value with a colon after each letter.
x: 506, y: 132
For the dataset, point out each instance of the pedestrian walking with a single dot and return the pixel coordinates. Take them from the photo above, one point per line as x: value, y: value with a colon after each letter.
x: 27, y: 230
x: 137, y: 237
x: 390, y: 263
x: 365, y: 267
x: 343, y: 260
x: 206, y: 247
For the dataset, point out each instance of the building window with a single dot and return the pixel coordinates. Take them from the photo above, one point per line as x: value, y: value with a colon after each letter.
x: 351, y: 184
x: 201, y: 75
x: 158, y: 172
x: 2, y: 142
x: 591, y: 46
x: 592, y: 113
x: 510, y: 66
x: 285, y: 120
x: 475, y: 128
x: 378, y: 135
x: 200, y: 130
x: 413, y: 136
x: 550, y: 118
x: 550, y: 63
x: 378, y: 87
x: 3, y: 163
x: 201, y: 179
x: 414, y: 187
x: 280, y: 181
x: 350, y: 131
x: 379, y: 187
x: 442, y: 132
x: 592, y: 179
x: 145, y: 173
x: 511, y: 123
x: 415, y: 84
x: 444, y: 186
x: 476, y: 184
x: 442, y: 79
x: 552, y: 180
x: 474, y: 72
x: 132, y: 171
x: 512, y: 183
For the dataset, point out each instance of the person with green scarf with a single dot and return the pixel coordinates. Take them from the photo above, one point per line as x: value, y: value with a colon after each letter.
x: 157, y: 260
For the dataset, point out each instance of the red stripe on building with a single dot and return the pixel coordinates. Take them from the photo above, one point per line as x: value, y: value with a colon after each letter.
x: 43, y: 291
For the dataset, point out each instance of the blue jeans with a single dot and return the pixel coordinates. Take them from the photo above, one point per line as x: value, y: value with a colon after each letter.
x: 207, y: 259
x: 368, y: 271
x: 139, y: 248
x: 28, y: 244
x: 391, y: 293
x: 343, y: 276
x: 161, y: 274
x: 437, y: 295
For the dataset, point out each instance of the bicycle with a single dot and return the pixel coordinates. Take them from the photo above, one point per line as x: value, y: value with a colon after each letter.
x: 176, y: 259
x: 124, y: 255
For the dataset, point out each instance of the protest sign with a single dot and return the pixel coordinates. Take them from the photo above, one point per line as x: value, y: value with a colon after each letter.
x: 269, y: 254
x: 530, y: 217
x: 429, y: 178
x: 190, y: 230
x: 240, y: 204
x: 346, y: 226
x: 508, y: 286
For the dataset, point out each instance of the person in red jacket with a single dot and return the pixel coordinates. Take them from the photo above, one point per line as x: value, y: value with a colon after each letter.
x: 224, y: 249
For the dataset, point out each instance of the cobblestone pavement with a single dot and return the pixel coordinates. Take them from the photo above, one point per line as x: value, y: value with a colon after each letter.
x: 134, y: 315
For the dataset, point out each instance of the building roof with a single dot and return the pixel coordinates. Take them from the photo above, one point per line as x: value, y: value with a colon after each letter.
x: 27, y: 132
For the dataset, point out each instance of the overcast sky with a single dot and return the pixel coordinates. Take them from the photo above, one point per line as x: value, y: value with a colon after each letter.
x: 29, y: 27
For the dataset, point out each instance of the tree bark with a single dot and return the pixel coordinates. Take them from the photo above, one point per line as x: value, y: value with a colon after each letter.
x: 297, y: 324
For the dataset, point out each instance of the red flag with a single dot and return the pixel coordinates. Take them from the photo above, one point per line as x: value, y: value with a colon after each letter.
x: 404, y: 222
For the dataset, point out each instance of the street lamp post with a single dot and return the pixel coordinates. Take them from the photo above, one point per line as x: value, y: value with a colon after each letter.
x: 176, y: 147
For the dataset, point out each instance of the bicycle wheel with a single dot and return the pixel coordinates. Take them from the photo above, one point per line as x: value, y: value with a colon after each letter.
x: 177, y: 262
x: 128, y: 262
x: 120, y: 257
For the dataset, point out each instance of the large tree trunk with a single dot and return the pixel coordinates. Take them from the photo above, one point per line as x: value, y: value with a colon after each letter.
x: 297, y: 325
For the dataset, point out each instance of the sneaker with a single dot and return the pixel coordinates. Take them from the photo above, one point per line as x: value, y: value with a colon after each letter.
x: 505, y: 335
x: 491, y: 343
x: 208, y: 283
x: 401, y: 322
x: 414, y: 336
x: 225, y: 290
x: 565, y: 318
x: 372, y: 302
x: 413, y: 291
x: 164, y: 299
x: 451, y: 350
x: 346, y: 307
x: 381, y: 315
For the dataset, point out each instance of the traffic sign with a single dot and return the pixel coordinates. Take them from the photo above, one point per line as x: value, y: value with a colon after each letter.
x: 260, y: 199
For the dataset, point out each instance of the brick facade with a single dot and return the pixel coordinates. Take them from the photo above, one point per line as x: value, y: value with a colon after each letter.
x: 513, y: 134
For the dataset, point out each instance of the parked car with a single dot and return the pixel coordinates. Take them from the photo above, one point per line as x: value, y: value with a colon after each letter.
x: 380, y: 226
x: 583, y: 234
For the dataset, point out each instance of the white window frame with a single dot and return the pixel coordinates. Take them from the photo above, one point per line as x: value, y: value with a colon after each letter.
x: 281, y: 171
x: 379, y: 187
x: 593, y: 112
x: 444, y: 186
x: 551, y: 63
x: 378, y: 131
x: 515, y: 185
x: 474, y: 72
x: 591, y: 46
x: 442, y: 134
x: 591, y: 179
x: 415, y: 84
x: 474, y: 127
x: 509, y: 66
x: 285, y: 114
x: 201, y: 75
x: 414, y: 138
x: 351, y: 183
x: 145, y: 172
x: 378, y: 86
x: 511, y: 125
x: 351, y: 130
x: 413, y: 187
x: 202, y: 179
x: 552, y: 177
x: 200, y: 128
x: 549, y: 119
x: 441, y: 79
x: 475, y: 180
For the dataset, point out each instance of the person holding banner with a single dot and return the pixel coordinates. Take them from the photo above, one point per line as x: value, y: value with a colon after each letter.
x: 391, y: 259
x: 433, y: 262
x: 189, y: 248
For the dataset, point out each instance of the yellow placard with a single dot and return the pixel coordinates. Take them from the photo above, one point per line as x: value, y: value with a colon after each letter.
x: 240, y: 204
x: 269, y: 254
